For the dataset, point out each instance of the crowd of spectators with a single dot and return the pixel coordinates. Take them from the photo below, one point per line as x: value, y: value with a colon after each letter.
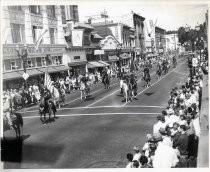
x: 175, y: 137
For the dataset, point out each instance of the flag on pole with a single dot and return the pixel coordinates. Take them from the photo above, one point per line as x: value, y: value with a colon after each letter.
x: 39, y: 40
x: 47, y: 81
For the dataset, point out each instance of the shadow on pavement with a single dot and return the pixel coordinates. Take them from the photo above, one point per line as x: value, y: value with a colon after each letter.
x: 15, y: 152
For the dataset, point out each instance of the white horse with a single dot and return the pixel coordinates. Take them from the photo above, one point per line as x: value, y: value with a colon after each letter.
x: 56, y: 96
x: 125, y: 91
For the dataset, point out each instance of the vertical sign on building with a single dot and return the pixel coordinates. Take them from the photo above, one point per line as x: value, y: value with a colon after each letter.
x: 77, y: 37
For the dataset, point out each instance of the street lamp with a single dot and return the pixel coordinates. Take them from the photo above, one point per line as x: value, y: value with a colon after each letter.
x: 23, y: 54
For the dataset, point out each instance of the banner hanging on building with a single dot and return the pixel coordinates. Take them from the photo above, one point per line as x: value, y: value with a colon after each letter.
x: 77, y: 38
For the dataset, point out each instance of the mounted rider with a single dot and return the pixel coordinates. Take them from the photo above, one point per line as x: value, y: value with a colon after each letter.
x: 47, y: 96
x: 146, y: 71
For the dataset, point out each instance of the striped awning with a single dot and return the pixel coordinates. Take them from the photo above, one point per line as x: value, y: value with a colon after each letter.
x: 79, y: 63
x: 11, y: 75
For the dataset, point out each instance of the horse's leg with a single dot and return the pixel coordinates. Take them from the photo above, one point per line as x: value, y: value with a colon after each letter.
x: 81, y: 94
x: 16, y: 132
x: 44, y: 113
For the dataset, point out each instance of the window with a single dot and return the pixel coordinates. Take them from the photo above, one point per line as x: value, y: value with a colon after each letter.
x: 18, y: 33
x: 16, y: 8
x: 18, y: 63
x: 29, y: 63
x: 75, y: 13
x: 35, y: 9
x: 63, y: 14
x: 43, y: 61
x: 53, y: 35
x: 36, y: 33
x: 60, y: 60
x: 56, y: 60
x: 76, y: 57
x: 39, y: 61
x: 51, y: 11
x: 13, y: 65
x: 6, y: 65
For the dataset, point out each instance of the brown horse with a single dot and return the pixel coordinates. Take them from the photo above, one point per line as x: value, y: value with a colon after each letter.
x: 17, y: 123
x: 46, y: 107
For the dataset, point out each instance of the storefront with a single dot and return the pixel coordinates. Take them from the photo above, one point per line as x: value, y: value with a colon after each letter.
x: 47, y: 56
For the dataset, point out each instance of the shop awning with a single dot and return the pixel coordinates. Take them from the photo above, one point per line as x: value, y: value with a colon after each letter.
x: 50, y: 69
x: 71, y: 64
x: 113, y: 58
x: 11, y: 75
x: 53, y: 69
x: 95, y: 64
x: 103, y: 62
x: 61, y: 68
x: 30, y: 72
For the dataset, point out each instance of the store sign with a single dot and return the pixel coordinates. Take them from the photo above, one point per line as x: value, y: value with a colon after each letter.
x: 77, y: 38
x: 98, y: 52
x: 9, y: 51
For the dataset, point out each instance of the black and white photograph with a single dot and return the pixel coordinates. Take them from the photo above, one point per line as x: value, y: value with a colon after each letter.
x: 104, y: 84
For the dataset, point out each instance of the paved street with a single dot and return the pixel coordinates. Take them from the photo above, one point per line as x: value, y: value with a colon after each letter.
x: 99, y: 131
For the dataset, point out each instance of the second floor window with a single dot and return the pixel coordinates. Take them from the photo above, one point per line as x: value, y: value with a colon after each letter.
x: 43, y: 61
x: 18, y: 33
x: 51, y: 11
x: 53, y: 35
x: 35, y: 9
x: 36, y: 33
x: 13, y: 65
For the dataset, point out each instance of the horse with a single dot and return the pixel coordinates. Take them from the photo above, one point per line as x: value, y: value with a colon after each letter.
x: 83, y: 89
x: 165, y: 67
x: 106, y: 81
x: 159, y: 71
x: 17, y: 123
x: 125, y: 89
x: 56, y: 96
x: 46, y: 107
x: 62, y: 95
x: 174, y: 62
x: 146, y: 78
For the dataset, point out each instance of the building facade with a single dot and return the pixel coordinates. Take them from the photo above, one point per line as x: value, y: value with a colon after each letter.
x: 24, y: 25
x: 172, y: 42
x: 118, y: 41
x: 160, y: 40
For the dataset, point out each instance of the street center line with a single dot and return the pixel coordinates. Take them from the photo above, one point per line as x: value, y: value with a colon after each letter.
x: 99, y: 107
x: 97, y: 114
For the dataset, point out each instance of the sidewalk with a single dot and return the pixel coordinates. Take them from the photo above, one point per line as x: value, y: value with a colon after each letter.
x: 203, y: 148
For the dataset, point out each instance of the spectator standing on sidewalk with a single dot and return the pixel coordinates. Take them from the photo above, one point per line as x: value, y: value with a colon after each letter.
x: 182, y: 145
x: 137, y: 154
x: 130, y: 160
x: 165, y: 156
